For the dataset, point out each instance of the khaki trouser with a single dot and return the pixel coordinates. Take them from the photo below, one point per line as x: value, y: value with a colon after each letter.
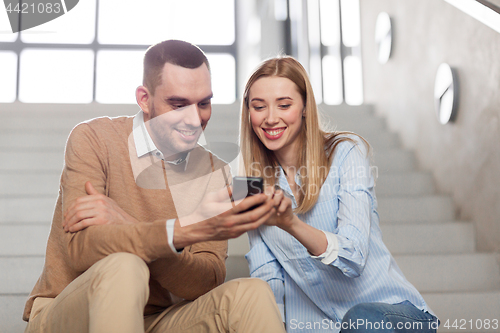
x: 111, y: 295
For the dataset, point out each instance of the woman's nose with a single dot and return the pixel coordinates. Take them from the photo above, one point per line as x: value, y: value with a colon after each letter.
x: 272, y: 117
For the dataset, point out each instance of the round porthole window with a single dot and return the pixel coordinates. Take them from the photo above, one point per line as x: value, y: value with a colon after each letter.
x: 383, y: 37
x: 445, y: 93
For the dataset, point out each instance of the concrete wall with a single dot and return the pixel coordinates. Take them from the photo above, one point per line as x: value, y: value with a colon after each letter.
x: 464, y: 156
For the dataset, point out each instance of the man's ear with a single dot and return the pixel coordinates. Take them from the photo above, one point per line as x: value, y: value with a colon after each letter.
x: 143, y: 96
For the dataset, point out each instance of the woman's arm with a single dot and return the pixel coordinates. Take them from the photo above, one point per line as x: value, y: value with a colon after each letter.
x: 347, y: 247
x: 356, y: 201
x: 314, y: 240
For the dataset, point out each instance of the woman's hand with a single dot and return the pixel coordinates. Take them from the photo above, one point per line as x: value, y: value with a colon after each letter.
x: 284, y: 217
x: 314, y: 240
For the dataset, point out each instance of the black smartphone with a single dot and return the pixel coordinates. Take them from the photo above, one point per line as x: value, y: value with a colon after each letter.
x: 247, y: 186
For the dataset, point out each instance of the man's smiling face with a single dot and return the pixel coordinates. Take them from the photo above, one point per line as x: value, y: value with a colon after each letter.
x: 180, y: 109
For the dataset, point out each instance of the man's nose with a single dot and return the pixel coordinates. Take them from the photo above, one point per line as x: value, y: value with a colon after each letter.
x: 192, y: 116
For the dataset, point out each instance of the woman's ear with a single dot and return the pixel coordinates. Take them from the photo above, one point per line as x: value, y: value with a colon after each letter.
x: 304, y: 112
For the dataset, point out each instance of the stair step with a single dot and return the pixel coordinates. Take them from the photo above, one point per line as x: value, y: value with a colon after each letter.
x: 357, y: 125
x: 238, y: 246
x: 33, y: 161
x: 395, y: 160
x: 11, y: 313
x: 383, y: 141
x: 29, y: 184
x: 236, y: 267
x: 347, y: 111
x: 27, y: 116
x: 431, y: 208
x: 446, y: 238
x: 27, y: 210
x: 451, y: 273
x: 28, y: 122
x: 33, y: 240
x: 19, y: 274
x: 468, y: 308
x: 410, y: 183
x: 33, y: 139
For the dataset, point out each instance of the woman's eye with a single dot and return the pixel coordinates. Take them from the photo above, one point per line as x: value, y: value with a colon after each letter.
x: 257, y: 108
x: 285, y: 106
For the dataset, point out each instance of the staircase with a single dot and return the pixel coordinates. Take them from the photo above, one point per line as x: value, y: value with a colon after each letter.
x: 436, y: 253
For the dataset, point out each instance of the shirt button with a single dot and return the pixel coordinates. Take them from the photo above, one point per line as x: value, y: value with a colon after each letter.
x: 345, y: 270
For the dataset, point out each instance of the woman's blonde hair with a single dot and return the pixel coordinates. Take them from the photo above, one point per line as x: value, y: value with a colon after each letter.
x: 316, y: 146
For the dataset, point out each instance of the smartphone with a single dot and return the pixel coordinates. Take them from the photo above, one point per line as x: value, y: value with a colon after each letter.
x: 247, y: 186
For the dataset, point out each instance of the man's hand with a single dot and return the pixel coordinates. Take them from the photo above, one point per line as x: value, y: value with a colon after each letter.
x: 94, y: 209
x: 231, y: 223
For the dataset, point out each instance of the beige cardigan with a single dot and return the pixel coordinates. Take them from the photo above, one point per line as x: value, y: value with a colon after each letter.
x: 99, y: 151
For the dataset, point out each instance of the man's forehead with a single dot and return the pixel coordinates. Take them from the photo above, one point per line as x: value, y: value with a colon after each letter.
x: 186, y: 82
x: 179, y: 73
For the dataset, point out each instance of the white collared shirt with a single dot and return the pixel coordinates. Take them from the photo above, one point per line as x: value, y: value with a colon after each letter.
x: 145, y: 145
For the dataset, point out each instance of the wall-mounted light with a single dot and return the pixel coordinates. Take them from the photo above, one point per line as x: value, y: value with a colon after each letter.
x: 383, y: 37
x: 446, y: 93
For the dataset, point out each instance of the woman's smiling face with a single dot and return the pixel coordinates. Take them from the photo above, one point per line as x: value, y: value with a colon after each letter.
x: 276, y: 114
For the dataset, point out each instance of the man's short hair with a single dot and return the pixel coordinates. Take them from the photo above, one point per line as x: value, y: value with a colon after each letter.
x: 175, y: 52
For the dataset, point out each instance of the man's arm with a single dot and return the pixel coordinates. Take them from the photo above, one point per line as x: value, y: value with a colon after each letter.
x: 86, y: 159
x: 201, y: 266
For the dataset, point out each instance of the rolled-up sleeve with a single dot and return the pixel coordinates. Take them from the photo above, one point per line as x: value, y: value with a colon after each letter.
x: 355, y: 210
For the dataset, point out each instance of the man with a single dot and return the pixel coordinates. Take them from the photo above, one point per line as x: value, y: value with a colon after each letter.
x: 118, y: 259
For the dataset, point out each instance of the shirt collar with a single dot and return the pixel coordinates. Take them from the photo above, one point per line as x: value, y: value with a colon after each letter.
x: 145, y: 145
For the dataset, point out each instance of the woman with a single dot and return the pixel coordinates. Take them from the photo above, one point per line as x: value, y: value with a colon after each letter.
x: 322, y: 252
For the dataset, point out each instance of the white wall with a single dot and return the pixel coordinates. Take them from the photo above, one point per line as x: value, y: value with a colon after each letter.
x: 465, y: 156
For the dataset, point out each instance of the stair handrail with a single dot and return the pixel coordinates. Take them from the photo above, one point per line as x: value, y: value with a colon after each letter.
x: 485, y: 11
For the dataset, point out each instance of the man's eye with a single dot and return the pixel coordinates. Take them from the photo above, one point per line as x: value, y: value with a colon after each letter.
x: 178, y: 106
x: 205, y: 104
